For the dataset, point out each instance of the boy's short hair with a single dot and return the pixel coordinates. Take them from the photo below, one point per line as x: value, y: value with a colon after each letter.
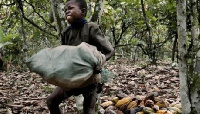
x: 82, y: 4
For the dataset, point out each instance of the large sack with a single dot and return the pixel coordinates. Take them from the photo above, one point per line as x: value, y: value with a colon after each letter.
x: 67, y: 66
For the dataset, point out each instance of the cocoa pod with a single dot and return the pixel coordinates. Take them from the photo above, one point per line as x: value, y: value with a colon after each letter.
x: 123, y: 101
x: 131, y: 105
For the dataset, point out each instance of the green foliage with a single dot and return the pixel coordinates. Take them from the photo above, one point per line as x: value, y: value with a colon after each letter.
x: 36, y: 11
x: 4, y: 40
x: 161, y: 17
x: 134, y: 41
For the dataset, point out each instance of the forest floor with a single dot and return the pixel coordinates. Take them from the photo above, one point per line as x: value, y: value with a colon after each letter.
x: 25, y: 92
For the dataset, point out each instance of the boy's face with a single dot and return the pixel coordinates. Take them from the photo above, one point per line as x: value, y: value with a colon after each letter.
x: 73, y: 11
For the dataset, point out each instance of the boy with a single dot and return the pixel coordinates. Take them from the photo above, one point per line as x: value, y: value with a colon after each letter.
x: 80, y: 31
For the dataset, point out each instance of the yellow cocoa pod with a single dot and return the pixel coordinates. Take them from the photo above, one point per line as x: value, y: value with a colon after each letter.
x: 131, y: 105
x: 106, y: 104
x: 115, y: 99
x: 123, y: 101
x: 161, y: 112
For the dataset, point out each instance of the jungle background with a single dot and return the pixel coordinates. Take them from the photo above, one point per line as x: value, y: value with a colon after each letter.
x: 156, y: 64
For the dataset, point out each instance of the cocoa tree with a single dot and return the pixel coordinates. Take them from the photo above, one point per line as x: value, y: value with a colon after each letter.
x: 189, y: 78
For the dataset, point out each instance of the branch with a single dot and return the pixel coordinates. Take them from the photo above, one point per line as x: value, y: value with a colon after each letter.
x: 144, y: 14
x: 124, y: 28
x: 38, y: 27
x: 113, y: 33
x: 40, y: 15
x: 140, y: 45
x: 122, y: 45
x: 162, y: 43
x: 31, y: 22
x: 133, y: 35
x: 11, y: 4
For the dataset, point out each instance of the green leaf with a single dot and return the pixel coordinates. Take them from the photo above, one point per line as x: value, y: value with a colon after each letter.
x: 134, y: 41
x: 8, y: 38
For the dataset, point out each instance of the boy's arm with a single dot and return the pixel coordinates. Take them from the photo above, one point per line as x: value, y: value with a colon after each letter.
x: 109, y: 54
x: 103, y: 43
x: 63, y: 36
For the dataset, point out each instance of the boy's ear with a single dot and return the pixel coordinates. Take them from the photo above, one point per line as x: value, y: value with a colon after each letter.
x: 83, y: 11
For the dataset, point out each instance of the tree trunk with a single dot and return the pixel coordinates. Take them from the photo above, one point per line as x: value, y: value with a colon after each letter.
x: 183, y: 74
x: 174, y: 48
x: 22, y: 32
x: 195, y: 86
x: 58, y: 14
x: 89, y: 9
x: 150, y: 48
x: 98, y: 9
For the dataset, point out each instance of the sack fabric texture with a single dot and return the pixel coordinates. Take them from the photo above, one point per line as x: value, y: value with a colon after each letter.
x: 68, y: 66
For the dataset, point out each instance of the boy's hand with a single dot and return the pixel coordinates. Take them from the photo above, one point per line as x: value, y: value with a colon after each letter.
x: 97, y: 71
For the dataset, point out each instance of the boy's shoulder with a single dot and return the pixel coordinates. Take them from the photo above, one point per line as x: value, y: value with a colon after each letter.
x: 92, y: 24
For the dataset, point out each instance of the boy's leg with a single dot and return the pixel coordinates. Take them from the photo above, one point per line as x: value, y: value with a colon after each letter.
x: 90, y: 98
x: 55, y: 99
x: 89, y: 104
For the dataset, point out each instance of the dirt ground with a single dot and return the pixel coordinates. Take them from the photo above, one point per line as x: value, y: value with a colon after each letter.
x: 26, y: 92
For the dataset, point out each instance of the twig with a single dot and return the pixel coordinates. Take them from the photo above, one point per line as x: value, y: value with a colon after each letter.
x: 13, y: 105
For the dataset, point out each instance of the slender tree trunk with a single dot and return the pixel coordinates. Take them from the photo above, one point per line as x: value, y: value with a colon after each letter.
x: 89, y: 9
x: 22, y: 32
x: 151, y: 51
x: 174, y: 48
x: 24, y: 38
x: 183, y: 74
x: 98, y: 9
x: 58, y: 14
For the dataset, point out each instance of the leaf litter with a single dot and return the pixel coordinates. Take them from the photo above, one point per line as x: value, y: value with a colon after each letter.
x: 135, y: 89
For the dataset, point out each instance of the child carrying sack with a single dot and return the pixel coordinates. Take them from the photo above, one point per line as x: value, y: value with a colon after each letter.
x: 68, y: 66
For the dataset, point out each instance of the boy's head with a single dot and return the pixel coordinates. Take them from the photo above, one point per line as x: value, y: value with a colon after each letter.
x: 75, y: 10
